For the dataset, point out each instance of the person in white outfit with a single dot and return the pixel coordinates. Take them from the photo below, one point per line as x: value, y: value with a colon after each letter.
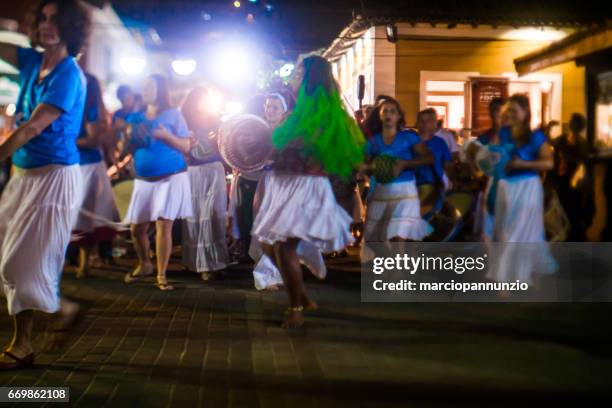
x: 98, y: 212
x: 393, y: 208
x: 162, y: 190
x: 518, y: 200
x: 266, y: 275
x: 204, y: 234
x: 298, y: 203
x: 40, y: 202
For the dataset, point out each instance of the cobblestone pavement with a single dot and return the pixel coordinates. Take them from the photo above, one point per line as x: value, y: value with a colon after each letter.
x: 219, y: 343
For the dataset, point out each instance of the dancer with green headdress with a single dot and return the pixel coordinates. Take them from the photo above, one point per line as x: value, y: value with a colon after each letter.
x: 319, y: 138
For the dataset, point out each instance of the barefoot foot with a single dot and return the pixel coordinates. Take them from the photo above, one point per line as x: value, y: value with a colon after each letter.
x: 294, y: 318
x: 67, y: 315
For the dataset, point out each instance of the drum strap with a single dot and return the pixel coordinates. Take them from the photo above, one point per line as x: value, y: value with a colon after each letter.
x: 404, y: 197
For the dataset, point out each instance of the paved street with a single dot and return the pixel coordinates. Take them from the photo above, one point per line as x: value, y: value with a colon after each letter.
x: 219, y: 344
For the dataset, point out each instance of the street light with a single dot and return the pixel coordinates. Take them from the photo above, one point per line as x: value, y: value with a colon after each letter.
x: 233, y: 108
x: 132, y: 65
x: 286, y: 70
x: 233, y: 64
x: 183, y: 67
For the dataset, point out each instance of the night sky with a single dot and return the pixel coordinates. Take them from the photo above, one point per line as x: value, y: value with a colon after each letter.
x: 289, y: 28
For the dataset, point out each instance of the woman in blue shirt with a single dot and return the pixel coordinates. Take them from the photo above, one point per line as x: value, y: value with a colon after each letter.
x: 40, y: 202
x: 162, y: 193
x: 519, y: 199
x: 393, y: 208
x: 98, y: 210
x: 436, y: 174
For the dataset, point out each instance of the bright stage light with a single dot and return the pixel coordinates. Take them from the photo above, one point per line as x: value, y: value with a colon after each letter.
x: 233, y: 108
x: 237, y: 4
x: 132, y: 65
x: 233, y: 65
x: 184, y: 67
x: 212, y: 102
x: 286, y: 70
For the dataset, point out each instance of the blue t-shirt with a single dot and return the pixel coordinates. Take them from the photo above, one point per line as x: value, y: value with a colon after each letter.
x: 120, y: 114
x: 485, y: 138
x: 155, y: 158
x: 401, y: 148
x: 64, y: 88
x: 528, y: 151
x: 429, y: 174
x: 91, y: 115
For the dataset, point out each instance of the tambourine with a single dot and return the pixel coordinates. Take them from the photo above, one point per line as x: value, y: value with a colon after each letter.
x: 245, y: 142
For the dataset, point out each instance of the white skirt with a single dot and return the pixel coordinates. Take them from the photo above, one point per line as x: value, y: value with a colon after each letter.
x: 204, y: 244
x: 394, y: 210
x: 303, y: 207
x: 37, y: 211
x: 98, y: 208
x: 267, y: 274
x: 519, y: 219
x: 167, y: 199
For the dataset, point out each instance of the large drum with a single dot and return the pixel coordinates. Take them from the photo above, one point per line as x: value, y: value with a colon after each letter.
x: 245, y: 142
x: 447, y: 213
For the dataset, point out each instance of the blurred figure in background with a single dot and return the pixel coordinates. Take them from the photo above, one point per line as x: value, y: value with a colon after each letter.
x: 569, y: 175
x: 433, y: 174
x: 242, y: 193
x: 449, y: 137
x: 127, y: 98
x: 495, y: 113
x: 204, y: 234
x: 98, y: 208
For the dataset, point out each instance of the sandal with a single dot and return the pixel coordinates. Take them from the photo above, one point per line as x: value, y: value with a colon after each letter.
x: 24, y: 362
x: 131, y: 277
x: 164, y: 286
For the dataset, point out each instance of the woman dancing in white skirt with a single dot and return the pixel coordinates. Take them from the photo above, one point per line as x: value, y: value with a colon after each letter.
x: 519, y: 202
x: 298, y: 205
x: 393, y: 208
x: 204, y: 242
x: 162, y: 191
x: 266, y: 275
x: 41, y: 200
x: 98, y: 211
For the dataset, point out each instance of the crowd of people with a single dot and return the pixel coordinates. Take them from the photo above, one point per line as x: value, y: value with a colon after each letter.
x: 333, y: 180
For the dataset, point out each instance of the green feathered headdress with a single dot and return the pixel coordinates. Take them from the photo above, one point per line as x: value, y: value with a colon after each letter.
x: 329, y: 134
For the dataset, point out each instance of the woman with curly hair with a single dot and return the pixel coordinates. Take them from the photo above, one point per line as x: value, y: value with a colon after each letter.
x: 317, y: 139
x: 41, y: 201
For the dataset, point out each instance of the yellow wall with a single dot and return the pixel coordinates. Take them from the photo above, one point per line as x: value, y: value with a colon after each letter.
x: 574, y: 89
x: 485, y: 57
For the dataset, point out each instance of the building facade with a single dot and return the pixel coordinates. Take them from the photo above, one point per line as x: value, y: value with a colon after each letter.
x: 455, y: 69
